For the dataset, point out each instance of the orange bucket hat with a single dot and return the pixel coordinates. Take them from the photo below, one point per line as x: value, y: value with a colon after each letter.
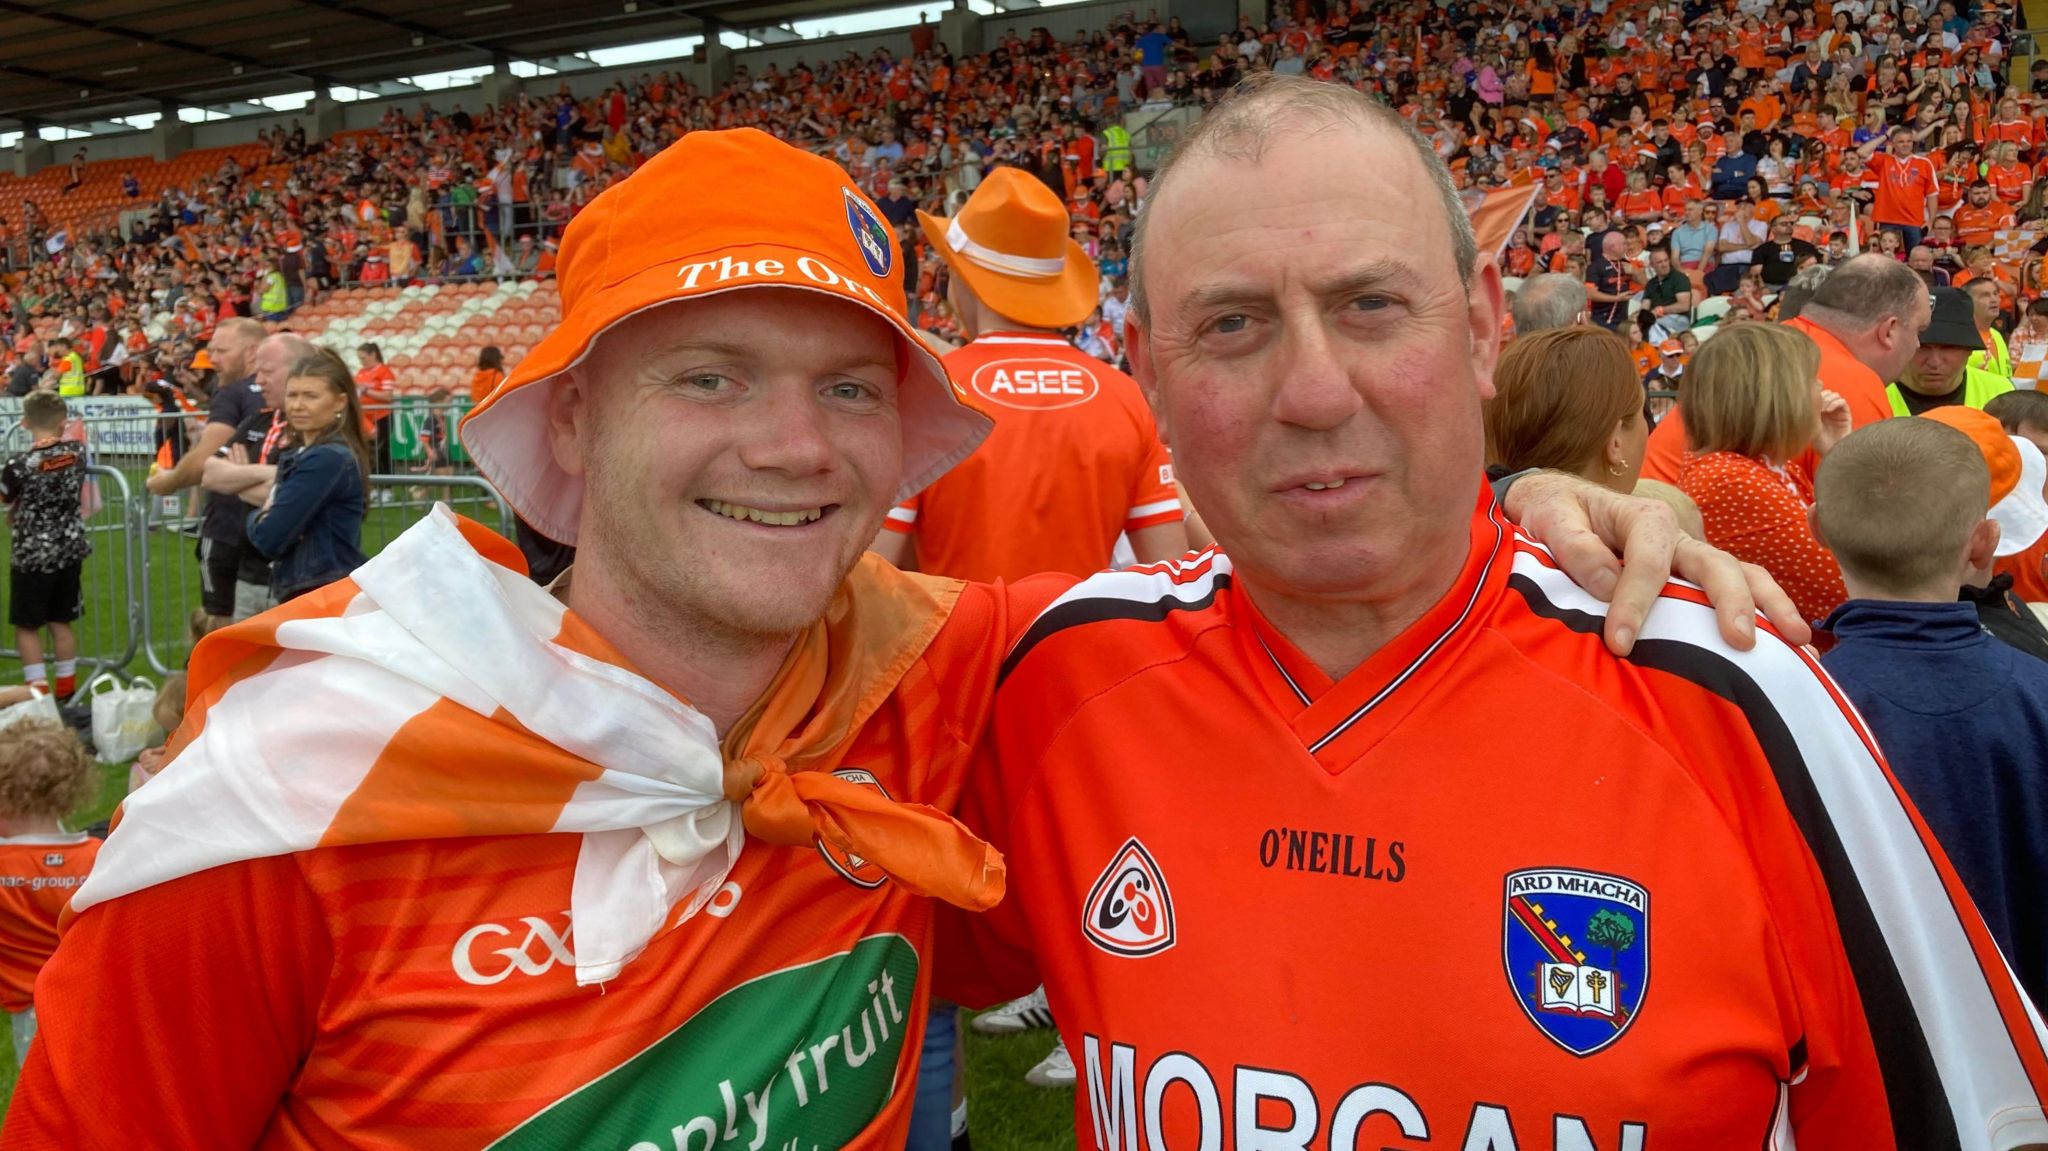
x: 714, y: 212
x: 1010, y: 245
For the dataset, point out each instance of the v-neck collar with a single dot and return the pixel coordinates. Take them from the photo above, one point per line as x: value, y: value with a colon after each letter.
x: 1337, y: 721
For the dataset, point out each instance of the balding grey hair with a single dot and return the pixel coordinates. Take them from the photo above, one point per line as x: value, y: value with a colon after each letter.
x: 1863, y: 292
x: 296, y: 347
x: 1551, y: 300
x: 1269, y: 106
x: 1798, y: 291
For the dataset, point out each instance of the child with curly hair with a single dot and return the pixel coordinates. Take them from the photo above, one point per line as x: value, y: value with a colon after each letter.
x: 45, y: 773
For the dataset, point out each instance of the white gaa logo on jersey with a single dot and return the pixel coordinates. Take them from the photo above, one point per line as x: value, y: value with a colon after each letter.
x: 536, y: 954
x: 1129, y: 911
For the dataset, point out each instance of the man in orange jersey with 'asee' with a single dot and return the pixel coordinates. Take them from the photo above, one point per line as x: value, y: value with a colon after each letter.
x: 443, y: 860
x: 1352, y: 834
x: 1073, y: 460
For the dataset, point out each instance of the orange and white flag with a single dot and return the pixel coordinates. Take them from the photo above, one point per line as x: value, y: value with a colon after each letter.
x: 1496, y: 213
x: 439, y: 693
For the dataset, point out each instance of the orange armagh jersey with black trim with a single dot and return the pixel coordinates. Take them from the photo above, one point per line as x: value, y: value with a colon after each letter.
x: 38, y: 873
x: 1073, y: 461
x: 1494, y: 889
x: 423, y: 995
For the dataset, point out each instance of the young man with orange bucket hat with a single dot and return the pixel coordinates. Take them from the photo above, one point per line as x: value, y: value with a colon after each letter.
x: 442, y: 859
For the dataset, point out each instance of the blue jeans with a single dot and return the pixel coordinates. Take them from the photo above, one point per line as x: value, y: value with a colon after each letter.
x: 931, y: 1115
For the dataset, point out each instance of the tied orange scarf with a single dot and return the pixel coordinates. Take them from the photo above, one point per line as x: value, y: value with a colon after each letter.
x: 780, y: 755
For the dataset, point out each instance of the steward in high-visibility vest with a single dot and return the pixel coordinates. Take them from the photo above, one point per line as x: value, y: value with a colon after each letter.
x: 1116, y: 151
x: 1949, y: 340
x: 1994, y: 358
x: 1979, y: 387
x: 276, y: 299
x: 70, y: 368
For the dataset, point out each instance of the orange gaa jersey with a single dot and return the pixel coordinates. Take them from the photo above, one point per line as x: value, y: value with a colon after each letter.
x: 423, y: 995
x: 1073, y: 461
x: 1494, y: 889
x: 38, y: 873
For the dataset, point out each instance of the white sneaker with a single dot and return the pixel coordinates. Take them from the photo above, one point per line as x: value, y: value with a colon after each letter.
x: 1017, y: 1015
x: 1055, y: 1070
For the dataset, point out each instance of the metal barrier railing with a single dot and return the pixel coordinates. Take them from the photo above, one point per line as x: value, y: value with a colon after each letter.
x: 143, y: 580
x: 170, y: 574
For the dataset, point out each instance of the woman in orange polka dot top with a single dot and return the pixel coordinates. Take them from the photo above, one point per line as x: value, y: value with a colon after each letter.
x: 1752, y: 405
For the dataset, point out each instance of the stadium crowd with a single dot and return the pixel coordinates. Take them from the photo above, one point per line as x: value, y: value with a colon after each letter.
x: 1778, y: 267
x: 1688, y: 128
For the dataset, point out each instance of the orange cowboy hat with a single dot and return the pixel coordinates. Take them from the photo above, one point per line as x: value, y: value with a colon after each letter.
x: 714, y: 212
x: 1009, y: 244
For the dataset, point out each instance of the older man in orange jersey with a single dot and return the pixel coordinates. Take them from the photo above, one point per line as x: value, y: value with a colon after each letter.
x: 1353, y: 831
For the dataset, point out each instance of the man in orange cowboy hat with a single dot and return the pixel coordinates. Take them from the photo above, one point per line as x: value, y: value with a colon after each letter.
x: 440, y: 858
x: 1073, y: 461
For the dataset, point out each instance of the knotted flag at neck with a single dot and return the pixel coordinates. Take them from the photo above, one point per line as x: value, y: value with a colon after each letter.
x: 438, y: 693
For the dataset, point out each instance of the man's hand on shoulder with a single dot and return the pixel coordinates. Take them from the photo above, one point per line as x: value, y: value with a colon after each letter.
x: 1622, y: 549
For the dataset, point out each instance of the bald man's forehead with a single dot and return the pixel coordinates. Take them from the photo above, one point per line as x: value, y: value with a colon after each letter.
x: 1329, y: 132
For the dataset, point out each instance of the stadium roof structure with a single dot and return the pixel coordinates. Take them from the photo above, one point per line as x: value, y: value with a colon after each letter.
x: 75, y: 61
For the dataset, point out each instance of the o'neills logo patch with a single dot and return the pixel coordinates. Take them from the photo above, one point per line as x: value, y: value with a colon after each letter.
x: 1035, y: 384
x: 802, y: 1057
x: 1129, y: 911
x: 877, y: 243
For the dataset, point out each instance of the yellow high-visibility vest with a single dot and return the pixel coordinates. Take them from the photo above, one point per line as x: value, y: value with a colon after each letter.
x: 276, y: 297
x: 72, y: 381
x: 1116, y: 156
x: 1994, y: 357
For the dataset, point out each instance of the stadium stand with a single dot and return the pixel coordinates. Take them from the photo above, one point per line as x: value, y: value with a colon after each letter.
x: 1513, y: 101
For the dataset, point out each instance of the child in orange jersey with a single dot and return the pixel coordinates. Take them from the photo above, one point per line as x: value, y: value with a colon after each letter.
x: 44, y: 774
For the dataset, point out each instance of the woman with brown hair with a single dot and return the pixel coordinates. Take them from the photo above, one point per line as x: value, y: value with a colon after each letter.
x: 311, y: 527
x: 1753, y: 404
x: 1568, y: 399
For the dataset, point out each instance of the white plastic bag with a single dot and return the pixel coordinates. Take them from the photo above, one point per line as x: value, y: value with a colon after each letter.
x: 123, y: 719
x: 39, y: 705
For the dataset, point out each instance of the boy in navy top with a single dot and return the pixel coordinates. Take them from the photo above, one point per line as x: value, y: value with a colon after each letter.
x: 1962, y: 718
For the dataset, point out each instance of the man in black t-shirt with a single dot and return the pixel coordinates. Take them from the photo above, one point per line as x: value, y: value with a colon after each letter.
x: 26, y: 372
x: 232, y: 352
x: 1781, y: 257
